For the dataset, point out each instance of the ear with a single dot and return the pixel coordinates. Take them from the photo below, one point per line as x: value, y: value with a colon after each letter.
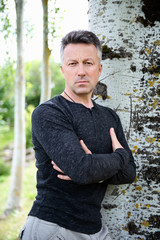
x: 62, y: 70
x: 100, y: 69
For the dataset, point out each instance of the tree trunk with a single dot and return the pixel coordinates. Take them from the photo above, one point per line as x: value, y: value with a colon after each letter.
x: 46, y: 76
x: 15, y: 194
x: 130, y: 84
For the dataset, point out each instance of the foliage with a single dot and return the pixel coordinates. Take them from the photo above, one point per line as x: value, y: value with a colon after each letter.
x: 57, y: 79
x: 54, y: 18
x: 4, y: 18
x: 28, y: 114
x: 4, y: 169
x: 7, y: 75
x: 33, y: 82
x: 6, y: 136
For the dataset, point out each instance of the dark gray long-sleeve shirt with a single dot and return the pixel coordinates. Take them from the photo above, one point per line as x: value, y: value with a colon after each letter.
x: 58, y: 125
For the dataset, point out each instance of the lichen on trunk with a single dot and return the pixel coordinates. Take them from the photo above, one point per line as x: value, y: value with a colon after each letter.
x: 130, y: 37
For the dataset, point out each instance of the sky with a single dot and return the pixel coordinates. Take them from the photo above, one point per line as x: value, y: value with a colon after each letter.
x: 74, y: 17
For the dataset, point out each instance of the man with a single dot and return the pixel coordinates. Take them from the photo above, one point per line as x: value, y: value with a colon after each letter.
x: 80, y: 148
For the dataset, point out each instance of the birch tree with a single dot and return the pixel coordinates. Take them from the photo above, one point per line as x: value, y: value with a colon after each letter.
x: 15, y: 193
x: 130, y: 84
x: 46, y: 76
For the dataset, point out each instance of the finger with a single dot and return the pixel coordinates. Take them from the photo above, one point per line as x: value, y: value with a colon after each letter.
x: 113, y: 134
x: 64, y: 177
x: 87, y: 151
x: 56, y: 167
x: 115, y: 143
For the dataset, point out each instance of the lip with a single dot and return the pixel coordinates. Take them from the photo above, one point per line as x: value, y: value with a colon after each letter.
x: 82, y: 82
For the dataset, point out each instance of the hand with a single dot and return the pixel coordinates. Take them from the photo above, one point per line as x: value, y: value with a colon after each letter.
x: 115, y: 143
x: 63, y: 177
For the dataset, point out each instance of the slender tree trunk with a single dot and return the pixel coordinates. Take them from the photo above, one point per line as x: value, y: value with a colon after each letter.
x: 46, y: 76
x: 15, y: 193
x: 130, y: 83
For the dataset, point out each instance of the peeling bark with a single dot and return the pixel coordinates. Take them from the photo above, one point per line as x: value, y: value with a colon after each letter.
x: 130, y: 37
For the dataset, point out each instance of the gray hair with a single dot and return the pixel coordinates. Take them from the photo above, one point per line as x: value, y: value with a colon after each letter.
x: 81, y: 36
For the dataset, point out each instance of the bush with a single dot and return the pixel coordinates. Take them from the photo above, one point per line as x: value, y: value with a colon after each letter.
x: 4, y: 169
x: 7, y: 76
x: 28, y: 115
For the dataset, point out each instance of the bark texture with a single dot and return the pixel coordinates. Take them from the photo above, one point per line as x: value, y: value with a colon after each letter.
x: 130, y: 84
x: 15, y: 194
x: 46, y: 75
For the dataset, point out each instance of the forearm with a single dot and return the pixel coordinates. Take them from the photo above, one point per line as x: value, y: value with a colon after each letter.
x: 125, y: 176
x: 127, y: 172
x: 96, y: 167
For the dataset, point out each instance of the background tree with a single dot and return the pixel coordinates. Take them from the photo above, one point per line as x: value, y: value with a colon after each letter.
x: 130, y: 84
x: 49, y: 12
x: 32, y: 99
x: 46, y: 76
x: 14, y: 197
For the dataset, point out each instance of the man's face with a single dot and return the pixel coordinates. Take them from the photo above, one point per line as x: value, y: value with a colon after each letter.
x: 81, y: 68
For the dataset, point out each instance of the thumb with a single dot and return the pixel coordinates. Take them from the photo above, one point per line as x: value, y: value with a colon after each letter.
x: 112, y: 133
x: 115, y: 143
x: 86, y: 150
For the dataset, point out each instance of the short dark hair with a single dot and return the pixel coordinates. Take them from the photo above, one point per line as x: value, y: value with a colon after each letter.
x: 81, y: 36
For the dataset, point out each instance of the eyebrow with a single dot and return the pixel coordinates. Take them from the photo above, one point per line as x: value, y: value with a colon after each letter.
x: 75, y: 60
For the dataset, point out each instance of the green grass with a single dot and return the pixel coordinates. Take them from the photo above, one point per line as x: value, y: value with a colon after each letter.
x: 9, y: 227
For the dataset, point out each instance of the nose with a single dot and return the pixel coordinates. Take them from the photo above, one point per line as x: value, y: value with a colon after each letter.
x: 81, y: 70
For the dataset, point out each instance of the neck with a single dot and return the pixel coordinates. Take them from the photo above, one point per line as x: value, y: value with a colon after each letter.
x: 82, y: 99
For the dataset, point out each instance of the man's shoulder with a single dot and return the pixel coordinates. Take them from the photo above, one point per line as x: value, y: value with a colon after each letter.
x: 50, y: 106
x: 51, y: 103
x: 107, y: 110
x: 54, y: 108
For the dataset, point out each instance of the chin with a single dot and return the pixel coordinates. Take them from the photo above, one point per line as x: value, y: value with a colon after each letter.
x: 84, y: 92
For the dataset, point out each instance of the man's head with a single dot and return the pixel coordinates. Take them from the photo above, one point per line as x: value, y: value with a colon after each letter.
x: 81, y: 67
x: 81, y: 36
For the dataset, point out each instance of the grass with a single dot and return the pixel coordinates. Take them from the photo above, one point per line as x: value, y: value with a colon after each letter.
x: 10, y: 227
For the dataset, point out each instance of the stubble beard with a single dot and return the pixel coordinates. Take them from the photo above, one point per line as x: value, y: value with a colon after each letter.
x: 82, y: 91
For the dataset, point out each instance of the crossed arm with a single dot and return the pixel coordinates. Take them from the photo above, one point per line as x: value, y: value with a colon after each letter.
x: 54, y: 138
x: 115, y: 144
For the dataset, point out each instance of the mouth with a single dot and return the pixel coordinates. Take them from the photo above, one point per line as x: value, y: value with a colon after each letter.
x: 82, y: 82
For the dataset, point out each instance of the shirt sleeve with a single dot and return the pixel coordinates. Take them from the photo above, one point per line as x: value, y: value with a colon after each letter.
x: 128, y: 172
x: 56, y: 135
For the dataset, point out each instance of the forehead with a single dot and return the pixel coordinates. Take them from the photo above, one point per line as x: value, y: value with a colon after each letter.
x: 83, y: 50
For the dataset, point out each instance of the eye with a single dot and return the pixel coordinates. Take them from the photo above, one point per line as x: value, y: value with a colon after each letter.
x: 72, y: 63
x: 88, y: 63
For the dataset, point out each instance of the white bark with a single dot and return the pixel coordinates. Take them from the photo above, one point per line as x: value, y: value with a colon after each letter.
x: 133, y: 88
x: 15, y: 193
x: 46, y: 75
